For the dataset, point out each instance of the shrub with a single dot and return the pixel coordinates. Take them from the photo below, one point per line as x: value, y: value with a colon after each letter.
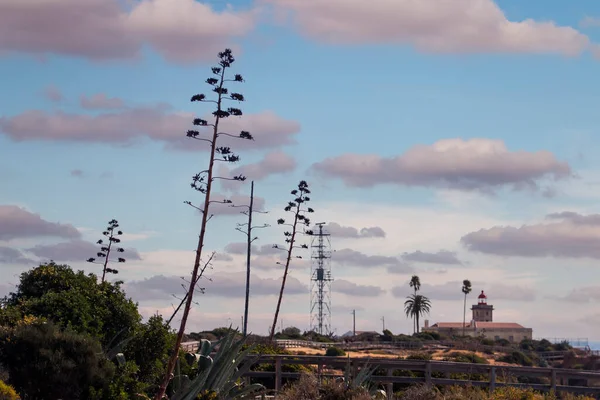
x: 7, y: 392
x: 466, y: 358
x: 516, y: 357
x: 45, y: 362
x: 308, y: 388
x: 427, y: 336
x: 335, y: 352
x: 419, y: 356
x: 487, y: 342
x: 419, y: 393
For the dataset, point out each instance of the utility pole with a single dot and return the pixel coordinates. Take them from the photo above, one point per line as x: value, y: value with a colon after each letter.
x: 353, y: 322
x: 248, y: 254
x: 383, y: 322
x: 250, y: 239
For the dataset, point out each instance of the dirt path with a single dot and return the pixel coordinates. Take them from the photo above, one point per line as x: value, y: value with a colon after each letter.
x: 438, y: 355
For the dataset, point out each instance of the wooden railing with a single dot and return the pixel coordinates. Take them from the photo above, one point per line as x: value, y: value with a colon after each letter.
x: 432, y: 371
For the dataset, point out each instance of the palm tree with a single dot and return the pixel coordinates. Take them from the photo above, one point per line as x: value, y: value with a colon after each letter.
x: 415, y: 283
x: 415, y: 306
x: 466, y: 289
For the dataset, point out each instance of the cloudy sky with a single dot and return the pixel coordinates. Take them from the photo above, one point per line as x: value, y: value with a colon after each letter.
x: 451, y: 139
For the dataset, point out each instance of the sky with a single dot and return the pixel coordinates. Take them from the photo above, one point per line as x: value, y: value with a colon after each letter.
x: 452, y: 139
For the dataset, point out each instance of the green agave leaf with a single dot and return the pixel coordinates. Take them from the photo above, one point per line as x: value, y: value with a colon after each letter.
x: 222, y: 375
x: 204, y: 362
x: 225, y: 362
x: 241, y: 370
x: 192, y: 358
x: 205, y: 347
x: 245, y: 390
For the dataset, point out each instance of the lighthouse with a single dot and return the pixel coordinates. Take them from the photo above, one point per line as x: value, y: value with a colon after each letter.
x: 482, y: 311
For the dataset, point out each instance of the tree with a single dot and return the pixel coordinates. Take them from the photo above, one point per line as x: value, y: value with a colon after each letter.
x: 203, y: 181
x: 44, y: 362
x: 415, y: 283
x: 291, y: 332
x: 415, y: 306
x: 106, y: 249
x: 73, y: 300
x: 466, y: 289
x: 298, y: 209
x: 249, y: 239
x: 149, y: 348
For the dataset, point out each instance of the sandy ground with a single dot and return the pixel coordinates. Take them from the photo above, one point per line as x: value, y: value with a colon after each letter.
x: 393, y: 354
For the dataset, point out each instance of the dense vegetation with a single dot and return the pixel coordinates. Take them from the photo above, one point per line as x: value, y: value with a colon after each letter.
x: 61, y: 331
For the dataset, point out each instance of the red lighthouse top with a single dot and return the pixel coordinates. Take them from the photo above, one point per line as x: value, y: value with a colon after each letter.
x: 482, y: 298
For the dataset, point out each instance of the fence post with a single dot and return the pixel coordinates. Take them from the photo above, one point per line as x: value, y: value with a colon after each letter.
x: 390, y: 386
x: 278, y: 374
x: 492, y: 379
x: 320, y: 371
x: 553, y: 380
x: 428, y: 374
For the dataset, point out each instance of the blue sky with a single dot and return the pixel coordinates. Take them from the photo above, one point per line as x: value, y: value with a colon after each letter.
x: 423, y: 100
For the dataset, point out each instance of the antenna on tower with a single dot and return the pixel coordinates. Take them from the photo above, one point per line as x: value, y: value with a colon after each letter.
x: 320, y: 291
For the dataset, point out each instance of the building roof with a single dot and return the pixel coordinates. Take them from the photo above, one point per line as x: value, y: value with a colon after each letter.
x: 450, y: 325
x: 489, y: 325
x: 479, y: 325
x: 482, y: 295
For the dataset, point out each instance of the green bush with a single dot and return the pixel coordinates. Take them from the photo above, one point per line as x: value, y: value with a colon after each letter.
x: 335, y: 352
x: 466, y: 358
x: 44, y: 362
x: 419, y: 356
x: 427, y: 336
x: 516, y: 357
x: 73, y: 300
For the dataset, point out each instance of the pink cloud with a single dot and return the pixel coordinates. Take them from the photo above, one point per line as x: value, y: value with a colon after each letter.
x: 573, y: 236
x: 17, y: 222
x: 101, y: 101
x: 440, y: 26
x: 180, y: 30
x: 481, y: 164
x: 158, y: 123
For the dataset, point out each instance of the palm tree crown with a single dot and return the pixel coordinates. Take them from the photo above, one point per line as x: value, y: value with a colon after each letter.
x: 415, y: 283
x: 415, y: 306
x: 466, y: 289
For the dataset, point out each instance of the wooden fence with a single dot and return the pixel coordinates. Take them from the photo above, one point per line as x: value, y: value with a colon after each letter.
x: 436, y: 373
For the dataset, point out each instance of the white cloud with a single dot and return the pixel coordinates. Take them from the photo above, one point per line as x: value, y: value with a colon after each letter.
x: 437, y: 26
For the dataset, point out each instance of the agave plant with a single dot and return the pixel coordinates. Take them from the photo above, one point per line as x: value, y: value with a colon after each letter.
x: 218, y: 378
x: 362, y: 379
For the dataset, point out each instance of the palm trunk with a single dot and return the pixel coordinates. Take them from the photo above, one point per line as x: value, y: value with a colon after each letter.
x: 417, y: 321
x: 464, y: 314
